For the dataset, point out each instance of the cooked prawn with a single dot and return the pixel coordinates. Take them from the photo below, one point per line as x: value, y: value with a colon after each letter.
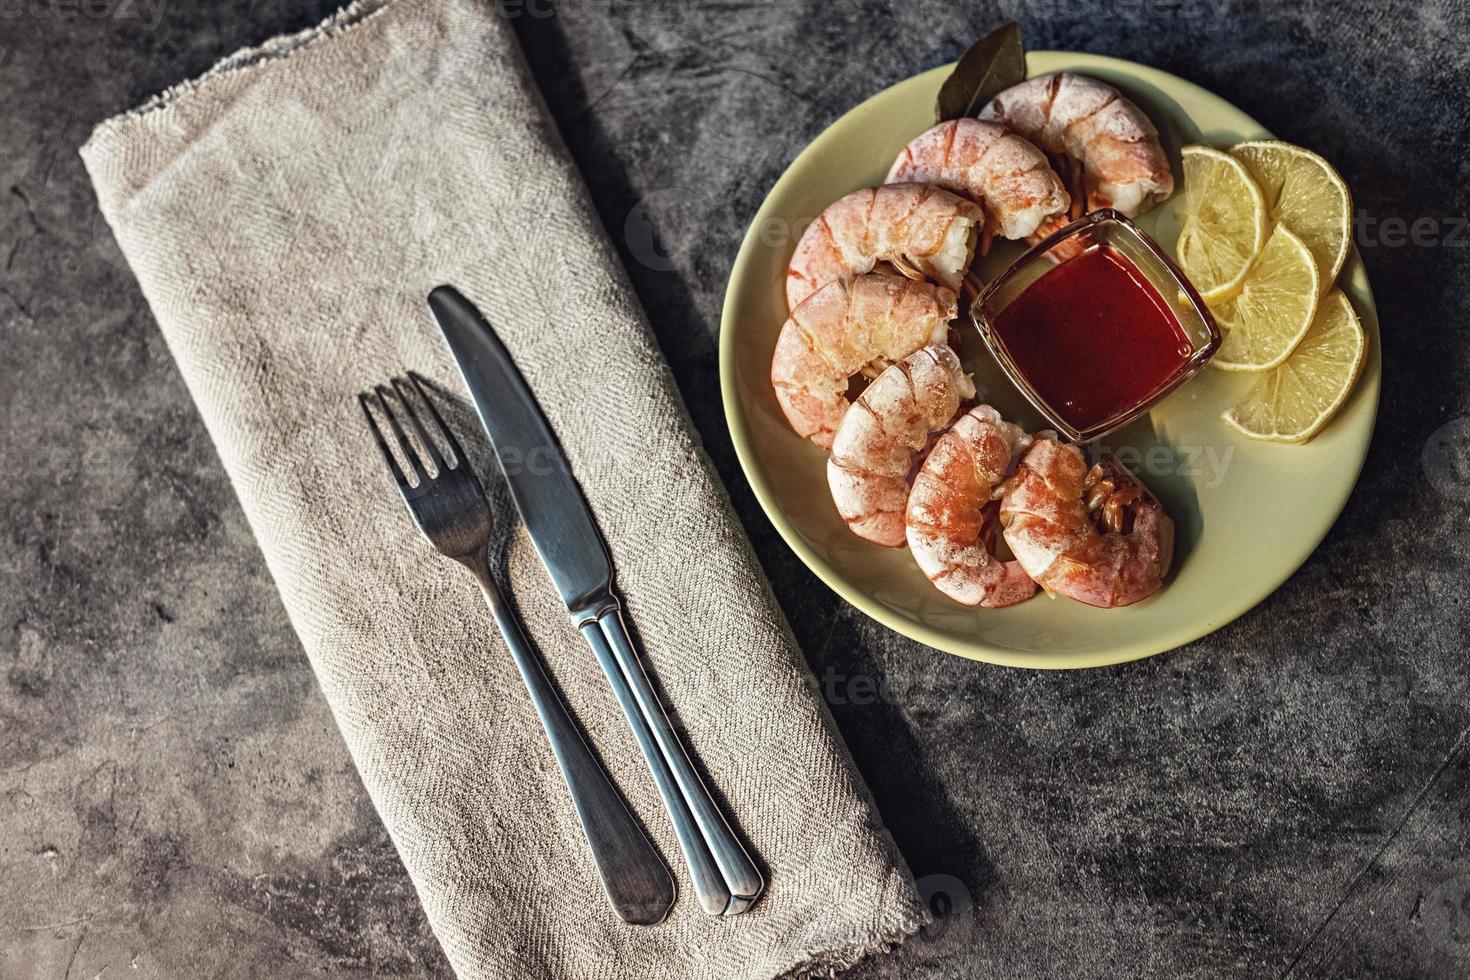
x: 1097, y: 536
x: 1111, y: 147
x: 924, y: 231
x: 951, y: 517
x: 991, y: 165
x: 850, y: 327
x: 873, y: 453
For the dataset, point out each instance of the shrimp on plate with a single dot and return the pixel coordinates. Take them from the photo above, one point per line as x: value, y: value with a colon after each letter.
x: 846, y: 328
x: 951, y: 518
x: 991, y: 165
x: 1095, y: 535
x: 873, y: 452
x: 923, y: 231
x: 1109, y: 148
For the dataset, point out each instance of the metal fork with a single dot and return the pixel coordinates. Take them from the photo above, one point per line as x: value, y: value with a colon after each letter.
x: 450, y: 508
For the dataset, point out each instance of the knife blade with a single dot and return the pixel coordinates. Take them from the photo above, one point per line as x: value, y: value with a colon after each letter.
x: 535, y: 468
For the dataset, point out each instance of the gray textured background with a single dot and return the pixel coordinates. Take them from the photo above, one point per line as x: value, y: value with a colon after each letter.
x: 1288, y: 796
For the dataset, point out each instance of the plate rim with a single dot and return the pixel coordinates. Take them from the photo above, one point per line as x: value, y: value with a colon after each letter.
x: 978, y: 650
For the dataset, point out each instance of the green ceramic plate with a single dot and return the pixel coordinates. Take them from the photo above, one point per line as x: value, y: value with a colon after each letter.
x: 1247, y: 513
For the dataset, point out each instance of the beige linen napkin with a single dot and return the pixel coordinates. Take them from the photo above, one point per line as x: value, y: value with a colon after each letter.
x: 286, y: 216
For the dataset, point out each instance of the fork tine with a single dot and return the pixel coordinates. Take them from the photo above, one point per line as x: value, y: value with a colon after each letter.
x: 445, y: 430
x: 363, y: 398
x: 420, y: 475
x: 400, y: 388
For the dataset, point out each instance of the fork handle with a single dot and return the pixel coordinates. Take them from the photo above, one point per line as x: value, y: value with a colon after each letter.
x: 739, y: 880
x: 637, y: 882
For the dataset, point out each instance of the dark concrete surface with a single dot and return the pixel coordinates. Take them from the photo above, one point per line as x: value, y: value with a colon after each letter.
x: 1286, y: 797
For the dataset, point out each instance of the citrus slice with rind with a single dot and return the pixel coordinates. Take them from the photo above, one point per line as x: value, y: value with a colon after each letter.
x: 1294, y: 401
x: 1262, y: 323
x: 1223, y: 223
x: 1305, y: 193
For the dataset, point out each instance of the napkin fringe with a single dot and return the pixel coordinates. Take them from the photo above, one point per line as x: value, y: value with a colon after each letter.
x: 278, y: 48
x: 826, y: 964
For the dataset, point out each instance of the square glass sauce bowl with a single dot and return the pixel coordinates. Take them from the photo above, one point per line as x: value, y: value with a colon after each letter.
x: 1095, y: 325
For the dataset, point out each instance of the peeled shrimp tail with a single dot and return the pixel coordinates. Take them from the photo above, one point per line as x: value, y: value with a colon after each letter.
x: 873, y: 451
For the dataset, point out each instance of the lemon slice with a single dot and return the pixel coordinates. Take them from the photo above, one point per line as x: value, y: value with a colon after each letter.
x: 1263, y: 322
x: 1304, y: 192
x: 1292, y: 402
x: 1224, y: 222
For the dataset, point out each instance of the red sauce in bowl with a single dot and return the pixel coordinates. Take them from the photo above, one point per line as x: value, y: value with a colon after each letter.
x: 1093, y: 337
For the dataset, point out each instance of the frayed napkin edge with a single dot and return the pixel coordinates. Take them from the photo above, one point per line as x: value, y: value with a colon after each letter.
x: 830, y: 963
x: 278, y: 48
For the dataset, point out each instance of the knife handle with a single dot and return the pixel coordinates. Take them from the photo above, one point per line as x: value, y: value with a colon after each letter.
x: 637, y: 882
x: 742, y: 880
x: 709, y: 884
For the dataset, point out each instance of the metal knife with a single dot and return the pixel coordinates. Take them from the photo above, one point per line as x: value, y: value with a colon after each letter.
x: 536, y: 471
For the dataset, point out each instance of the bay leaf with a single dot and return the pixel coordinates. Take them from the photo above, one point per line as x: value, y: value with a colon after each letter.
x: 988, y: 67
